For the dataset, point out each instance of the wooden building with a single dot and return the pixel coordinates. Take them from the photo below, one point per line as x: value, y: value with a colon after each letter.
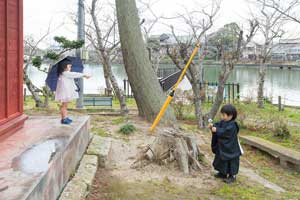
x: 11, y: 66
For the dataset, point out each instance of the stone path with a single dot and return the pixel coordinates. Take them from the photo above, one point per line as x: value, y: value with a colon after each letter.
x: 252, y: 175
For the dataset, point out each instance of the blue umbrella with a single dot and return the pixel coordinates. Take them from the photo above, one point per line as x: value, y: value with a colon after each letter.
x: 77, y: 66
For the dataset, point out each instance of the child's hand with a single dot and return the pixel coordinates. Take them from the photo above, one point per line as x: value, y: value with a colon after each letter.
x: 210, y: 125
x: 214, y: 129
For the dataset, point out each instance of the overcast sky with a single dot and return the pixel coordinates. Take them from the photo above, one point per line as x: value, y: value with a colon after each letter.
x: 38, y: 14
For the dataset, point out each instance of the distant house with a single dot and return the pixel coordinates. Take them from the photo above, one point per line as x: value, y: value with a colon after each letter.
x: 156, y: 42
x: 286, y: 50
x: 170, y: 40
x: 252, y: 51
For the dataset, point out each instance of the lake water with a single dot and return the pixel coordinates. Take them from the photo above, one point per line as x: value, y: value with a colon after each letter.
x: 285, y: 83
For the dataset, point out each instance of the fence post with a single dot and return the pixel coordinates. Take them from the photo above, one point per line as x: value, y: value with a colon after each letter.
x: 128, y: 88
x: 238, y: 91
x: 217, y: 85
x: 280, y: 106
x: 124, y: 82
x: 233, y: 95
x: 229, y: 92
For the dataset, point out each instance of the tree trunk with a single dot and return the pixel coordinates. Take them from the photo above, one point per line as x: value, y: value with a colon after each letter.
x: 107, y: 81
x: 223, y: 77
x: 195, y: 78
x: 197, y: 102
x: 46, y: 93
x: 261, y: 83
x: 118, y: 92
x: 34, y: 91
x: 108, y: 89
x: 143, y: 80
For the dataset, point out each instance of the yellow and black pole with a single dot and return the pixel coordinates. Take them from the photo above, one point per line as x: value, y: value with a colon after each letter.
x: 171, y: 95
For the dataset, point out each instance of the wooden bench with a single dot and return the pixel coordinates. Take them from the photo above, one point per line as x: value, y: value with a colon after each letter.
x: 287, y: 157
x: 97, y: 101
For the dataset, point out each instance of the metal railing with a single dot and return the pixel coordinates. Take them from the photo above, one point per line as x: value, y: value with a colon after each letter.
x: 209, y: 91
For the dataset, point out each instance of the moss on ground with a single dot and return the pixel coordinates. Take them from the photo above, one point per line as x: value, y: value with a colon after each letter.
x: 118, y: 120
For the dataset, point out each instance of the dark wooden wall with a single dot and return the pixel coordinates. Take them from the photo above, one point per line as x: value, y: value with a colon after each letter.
x: 11, y: 65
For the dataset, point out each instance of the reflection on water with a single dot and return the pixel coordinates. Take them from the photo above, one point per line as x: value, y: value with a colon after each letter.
x: 37, y: 158
x: 285, y: 83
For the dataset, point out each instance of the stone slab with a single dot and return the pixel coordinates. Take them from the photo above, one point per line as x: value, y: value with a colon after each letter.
x: 79, y: 186
x: 100, y: 146
x: 283, y: 153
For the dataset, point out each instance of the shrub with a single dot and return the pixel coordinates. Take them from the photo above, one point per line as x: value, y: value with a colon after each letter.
x: 241, y: 119
x: 127, y: 129
x: 182, y: 103
x: 249, y: 98
x: 281, y: 129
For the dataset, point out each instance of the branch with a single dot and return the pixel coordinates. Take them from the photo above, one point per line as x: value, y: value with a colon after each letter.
x: 285, y: 12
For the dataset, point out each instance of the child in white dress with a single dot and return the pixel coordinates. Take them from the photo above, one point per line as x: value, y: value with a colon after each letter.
x: 66, y: 88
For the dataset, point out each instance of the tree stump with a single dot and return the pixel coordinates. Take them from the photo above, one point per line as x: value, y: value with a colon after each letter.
x: 171, y: 145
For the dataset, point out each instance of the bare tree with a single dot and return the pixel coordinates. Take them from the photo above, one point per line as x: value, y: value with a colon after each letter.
x: 288, y: 8
x: 32, y: 47
x: 199, y: 23
x: 150, y: 19
x: 271, y: 27
x: 105, y: 41
x: 231, y: 43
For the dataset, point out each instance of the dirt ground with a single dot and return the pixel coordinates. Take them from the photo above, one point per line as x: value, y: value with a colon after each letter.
x: 118, y: 181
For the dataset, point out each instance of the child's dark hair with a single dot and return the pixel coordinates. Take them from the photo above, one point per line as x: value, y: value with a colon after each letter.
x: 62, y: 66
x: 230, y: 110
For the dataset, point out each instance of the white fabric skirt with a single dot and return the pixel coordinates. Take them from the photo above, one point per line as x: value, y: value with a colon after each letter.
x: 66, y: 88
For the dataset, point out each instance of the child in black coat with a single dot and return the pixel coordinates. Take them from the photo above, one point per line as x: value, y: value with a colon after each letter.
x: 225, y: 145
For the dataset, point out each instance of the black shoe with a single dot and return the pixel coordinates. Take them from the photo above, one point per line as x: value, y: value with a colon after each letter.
x: 220, y: 175
x: 230, y: 179
x: 65, y: 121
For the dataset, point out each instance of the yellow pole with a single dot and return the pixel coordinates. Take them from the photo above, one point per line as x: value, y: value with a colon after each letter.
x: 171, y: 95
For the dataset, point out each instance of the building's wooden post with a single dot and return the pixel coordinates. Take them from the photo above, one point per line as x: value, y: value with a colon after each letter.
x: 11, y: 66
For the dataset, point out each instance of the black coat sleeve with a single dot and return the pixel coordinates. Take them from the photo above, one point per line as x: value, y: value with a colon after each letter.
x: 214, y: 140
x: 227, y: 132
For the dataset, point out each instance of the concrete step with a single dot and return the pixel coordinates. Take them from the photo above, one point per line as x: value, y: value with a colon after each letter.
x: 36, y: 162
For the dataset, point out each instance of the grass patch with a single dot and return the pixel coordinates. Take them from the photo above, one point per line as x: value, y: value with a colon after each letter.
x: 251, y: 111
x: 129, y: 101
x: 127, y: 129
x: 99, y: 131
x: 118, y: 120
x: 243, y: 189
